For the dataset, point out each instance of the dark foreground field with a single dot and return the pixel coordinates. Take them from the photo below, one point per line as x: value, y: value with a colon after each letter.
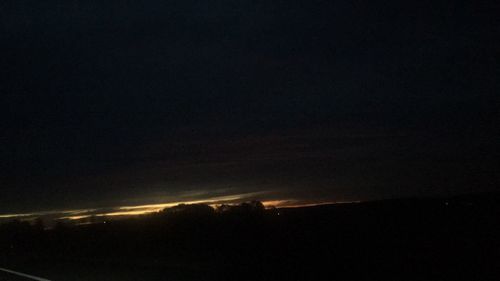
x: 415, y: 239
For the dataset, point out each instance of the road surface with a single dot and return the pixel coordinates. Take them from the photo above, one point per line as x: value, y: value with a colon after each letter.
x: 11, y: 275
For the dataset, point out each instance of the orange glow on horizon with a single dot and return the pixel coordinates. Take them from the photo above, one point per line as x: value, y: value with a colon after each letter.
x: 138, y: 210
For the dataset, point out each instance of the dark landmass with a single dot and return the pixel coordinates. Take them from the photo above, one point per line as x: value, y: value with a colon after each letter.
x: 452, y: 238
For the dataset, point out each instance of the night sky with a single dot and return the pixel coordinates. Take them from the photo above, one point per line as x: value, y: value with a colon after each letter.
x: 112, y: 103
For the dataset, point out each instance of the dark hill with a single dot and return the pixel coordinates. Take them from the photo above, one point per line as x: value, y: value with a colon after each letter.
x: 406, y: 239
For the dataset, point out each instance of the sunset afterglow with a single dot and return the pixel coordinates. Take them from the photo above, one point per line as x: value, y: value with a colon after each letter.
x: 137, y: 210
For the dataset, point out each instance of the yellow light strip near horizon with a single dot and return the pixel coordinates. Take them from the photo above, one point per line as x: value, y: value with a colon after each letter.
x: 144, y: 209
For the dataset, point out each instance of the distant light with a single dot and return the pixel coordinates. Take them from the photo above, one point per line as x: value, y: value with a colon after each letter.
x: 446, y: 203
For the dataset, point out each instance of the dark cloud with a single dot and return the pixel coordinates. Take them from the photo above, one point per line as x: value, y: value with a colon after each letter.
x: 126, y: 99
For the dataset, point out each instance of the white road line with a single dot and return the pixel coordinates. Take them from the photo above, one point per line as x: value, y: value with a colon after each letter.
x: 23, y: 274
